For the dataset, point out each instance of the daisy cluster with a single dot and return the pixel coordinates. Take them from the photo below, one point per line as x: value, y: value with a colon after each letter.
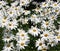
x: 21, y: 26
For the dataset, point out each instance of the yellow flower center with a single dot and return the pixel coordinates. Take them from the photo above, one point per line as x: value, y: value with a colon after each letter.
x: 52, y: 17
x: 40, y: 44
x: 44, y: 4
x: 16, y: 9
x: 22, y: 44
x: 5, y: 18
x: 56, y: 10
x: 34, y: 30
x: 10, y: 12
x: 22, y: 35
x: 0, y: 3
x: 57, y: 32
x: 3, y: 21
x: 46, y: 35
x: 10, y: 24
x: 22, y: 2
x: 8, y: 45
x: 44, y: 49
x: 47, y: 23
x: 55, y: 4
x: 58, y: 37
x: 52, y: 42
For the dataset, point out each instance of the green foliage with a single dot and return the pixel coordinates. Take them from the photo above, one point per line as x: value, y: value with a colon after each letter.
x: 9, y: 1
x: 1, y: 41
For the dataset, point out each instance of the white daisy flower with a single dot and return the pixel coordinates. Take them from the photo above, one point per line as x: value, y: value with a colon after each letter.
x: 4, y: 21
x: 35, y: 18
x: 43, y: 14
x: 44, y: 4
x: 44, y: 48
x: 21, y: 44
x: 41, y: 45
x: 45, y: 35
x: 22, y: 35
x: 2, y: 3
x: 15, y: 10
x: 52, y: 41
x: 8, y: 37
x: 54, y: 5
x: 34, y: 31
x: 47, y: 24
x: 14, y: 3
x: 11, y: 12
x: 8, y: 47
x: 39, y: 42
x: 12, y: 24
x: 23, y: 20
x: 57, y: 32
x: 58, y: 38
x: 52, y: 17
x: 57, y: 11
x: 47, y: 11
x: 1, y: 13
x: 24, y: 2
x: 26, y: 12
x: 37, y: 9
